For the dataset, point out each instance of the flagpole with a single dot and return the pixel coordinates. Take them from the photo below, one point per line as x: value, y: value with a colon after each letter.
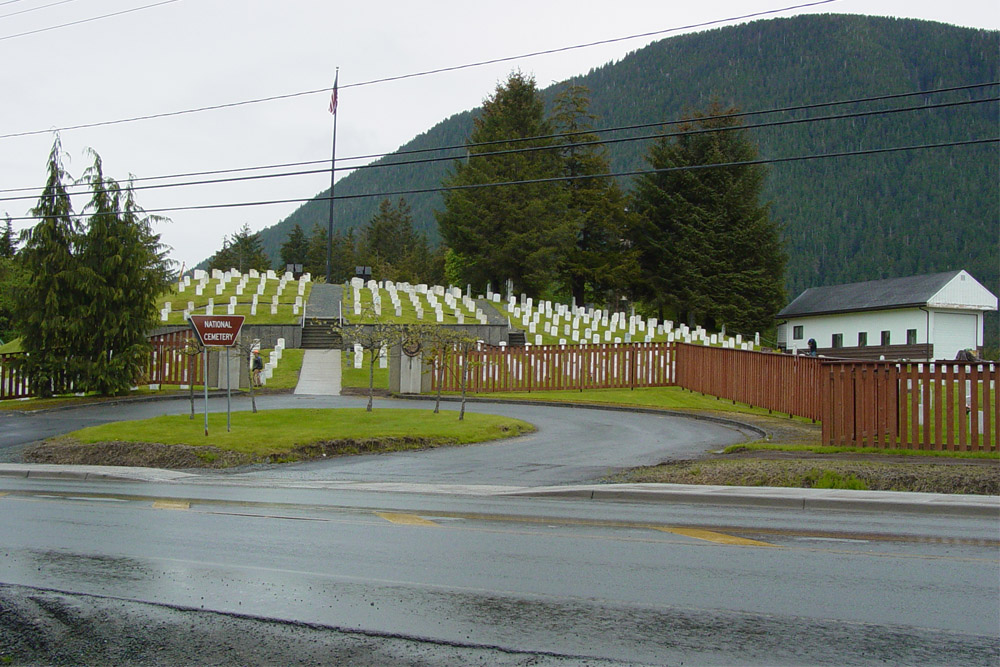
x: 333, y: 173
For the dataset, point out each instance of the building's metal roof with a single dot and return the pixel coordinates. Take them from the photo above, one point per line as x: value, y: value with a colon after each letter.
x: 906, y: 292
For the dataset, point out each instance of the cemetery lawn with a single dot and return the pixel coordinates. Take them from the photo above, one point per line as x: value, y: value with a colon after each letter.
x: 271, y: 436
x: 664, y: 398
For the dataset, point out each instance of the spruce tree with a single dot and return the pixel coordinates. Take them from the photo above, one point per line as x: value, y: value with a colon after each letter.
x: 8, y: 243
x: 601, y: 265
x: 709, y: 249
x: 49, y: 311
x: 296, y: 249
x: 123, y: 271
x: 520, y: 232
x: 241, y: 251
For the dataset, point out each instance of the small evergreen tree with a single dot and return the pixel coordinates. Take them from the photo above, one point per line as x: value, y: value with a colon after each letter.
x: 296, y: 249
x: 241, y: 251
x: 316, y: 254
x: 8, y: 243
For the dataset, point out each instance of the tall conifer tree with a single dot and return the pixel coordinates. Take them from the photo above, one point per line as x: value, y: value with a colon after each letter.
x: 520, y: 232
x: 601, y: 265
x: 49, y: 310
x: 709, y: 248
x: 123, y: 270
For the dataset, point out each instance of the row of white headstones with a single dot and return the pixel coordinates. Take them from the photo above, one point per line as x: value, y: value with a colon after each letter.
x: 421, y: 297
x: 273, y: 358
x: 201, y: 281
x: 596, y: 326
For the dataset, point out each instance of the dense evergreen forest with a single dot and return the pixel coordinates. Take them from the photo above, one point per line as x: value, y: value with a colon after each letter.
x: 844, y: 219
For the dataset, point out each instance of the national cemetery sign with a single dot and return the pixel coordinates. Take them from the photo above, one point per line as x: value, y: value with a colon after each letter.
x: 217, y: 330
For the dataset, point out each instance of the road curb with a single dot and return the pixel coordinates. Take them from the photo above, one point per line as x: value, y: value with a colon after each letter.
x: 686, y: 494
x: 780, y: 497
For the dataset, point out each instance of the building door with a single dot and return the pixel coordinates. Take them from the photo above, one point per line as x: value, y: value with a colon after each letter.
x: 954, y: 332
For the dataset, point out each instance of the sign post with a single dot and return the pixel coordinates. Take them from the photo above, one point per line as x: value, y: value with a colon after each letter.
x: 217, y: 331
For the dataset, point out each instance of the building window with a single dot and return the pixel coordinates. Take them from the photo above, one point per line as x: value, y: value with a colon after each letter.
x: 797, y: 332
x: 838, y: 340
x: 885, y: 338
x: 911, y: 336
x: 862, y: 338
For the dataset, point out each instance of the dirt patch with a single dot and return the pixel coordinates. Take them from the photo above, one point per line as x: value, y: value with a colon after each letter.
x: 874, y: 471
x: 825, y: 472
x: 138, y: 454
x: 186, y: 457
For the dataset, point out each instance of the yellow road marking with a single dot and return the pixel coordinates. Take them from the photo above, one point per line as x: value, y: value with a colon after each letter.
x: 720, y: 538
x: 406, y: 519
x: 171, y: 505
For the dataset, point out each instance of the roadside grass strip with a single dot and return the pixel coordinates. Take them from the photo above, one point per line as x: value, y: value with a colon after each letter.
x: 276, y: 431
x: 665, y: 398
x: 874, y: 451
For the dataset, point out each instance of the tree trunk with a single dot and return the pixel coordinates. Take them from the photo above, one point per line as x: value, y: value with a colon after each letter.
x: 439, y: 371
x: 371, y: 381
x: 465, y: 380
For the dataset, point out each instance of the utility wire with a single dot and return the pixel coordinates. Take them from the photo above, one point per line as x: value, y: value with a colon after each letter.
x: 34, y: 9
x: 551, y: 136
x: 530, y: 149
x: 560, y: 179
x: 81, y: 21
x: 400, y: 77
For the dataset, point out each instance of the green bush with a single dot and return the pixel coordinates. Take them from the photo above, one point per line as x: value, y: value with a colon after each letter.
x: 829, y: 479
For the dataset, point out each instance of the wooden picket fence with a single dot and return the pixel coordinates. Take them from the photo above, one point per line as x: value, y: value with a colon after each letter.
x: 941, y: 405
x: 170, y: 362
x: 780, y: 382
x: 554, y: 367
x: 13, y: 383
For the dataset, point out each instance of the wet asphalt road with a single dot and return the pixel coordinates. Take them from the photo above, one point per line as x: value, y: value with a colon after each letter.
x: 182, y: 573
x: 571, y: 581
x: 570, y: 445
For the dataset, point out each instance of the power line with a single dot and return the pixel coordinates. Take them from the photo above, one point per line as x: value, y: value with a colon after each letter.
x: 81, y: 21
x: 400, y: 77
x: 34, y: 9
x: 557, y: 136
x: 599, y: 142
x: 558, y: 179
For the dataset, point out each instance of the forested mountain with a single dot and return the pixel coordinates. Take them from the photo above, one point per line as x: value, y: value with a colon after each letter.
x: 845, y: 219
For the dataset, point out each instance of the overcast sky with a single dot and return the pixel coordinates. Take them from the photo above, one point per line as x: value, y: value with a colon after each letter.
x: 186, y: 54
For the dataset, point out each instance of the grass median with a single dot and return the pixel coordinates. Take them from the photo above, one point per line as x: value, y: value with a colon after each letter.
x: 272, y: 436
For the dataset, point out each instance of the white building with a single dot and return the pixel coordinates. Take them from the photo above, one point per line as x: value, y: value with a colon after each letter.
x: 920, y: 317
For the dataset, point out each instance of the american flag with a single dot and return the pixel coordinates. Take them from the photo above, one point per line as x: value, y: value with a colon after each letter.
x: 333, y: 97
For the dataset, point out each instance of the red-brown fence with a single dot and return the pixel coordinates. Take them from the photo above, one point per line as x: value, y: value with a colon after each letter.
x: 545, y: 367
x: 13, y: 383
x: 171, y: 362
x: 782, y: 382
x: 942, y: 405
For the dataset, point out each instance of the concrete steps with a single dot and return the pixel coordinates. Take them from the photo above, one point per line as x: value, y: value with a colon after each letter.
x: 317, y: 335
